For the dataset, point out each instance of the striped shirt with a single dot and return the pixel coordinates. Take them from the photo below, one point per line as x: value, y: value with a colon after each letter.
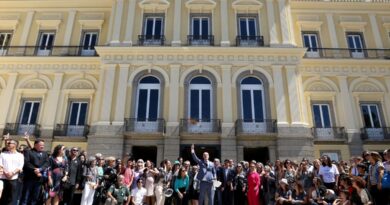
x: 10, y: 162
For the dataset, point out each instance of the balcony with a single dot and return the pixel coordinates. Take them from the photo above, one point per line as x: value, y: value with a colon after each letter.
x: 380, y: 133
x: 250, y: 41
x: 255, y: 126
x: 151, y: 40
x: 329, y: 134
x: 71, y: 130
x: 202, y: 126
x: 144, y: 126
x: 343, y: 53
x: 196, y: 40
x: 20, y: 129
x: 47, y: 51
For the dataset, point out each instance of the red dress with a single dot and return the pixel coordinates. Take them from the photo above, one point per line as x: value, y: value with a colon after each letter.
x: 254, y: 184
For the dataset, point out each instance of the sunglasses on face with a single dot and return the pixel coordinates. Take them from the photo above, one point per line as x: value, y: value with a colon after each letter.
x: 74, y: 150
x: 11, y: 143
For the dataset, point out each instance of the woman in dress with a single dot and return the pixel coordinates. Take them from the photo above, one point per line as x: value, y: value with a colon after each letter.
x: 149, y: 173
x: 254, y: 185
x: 194, y: 186
x: 58, y: 172
x: 239, y: 185
x: 90, y: 174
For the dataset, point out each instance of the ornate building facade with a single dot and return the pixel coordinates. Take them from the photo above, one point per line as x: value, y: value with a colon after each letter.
x: 243, y: 79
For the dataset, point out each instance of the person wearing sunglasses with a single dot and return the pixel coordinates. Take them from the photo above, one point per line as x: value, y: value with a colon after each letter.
x: 12, y: 163
x: 75, y: 174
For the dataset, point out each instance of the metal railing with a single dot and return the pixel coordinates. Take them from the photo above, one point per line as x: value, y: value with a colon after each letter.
x: 200, y: 40
x: 71, y: 130
x: 200, y: 126
x: 341, y: 53
x: 47, y: 51
x: 20, y: 129
x: 329, y: 133
x: 151, y: 40
x: 250, y: 41
x: 378, y: 133
x: 144, y: 125
x: 255, y: 126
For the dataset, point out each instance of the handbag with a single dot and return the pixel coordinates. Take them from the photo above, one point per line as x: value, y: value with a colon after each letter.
x: 65, y: 183
x: 386, y: 180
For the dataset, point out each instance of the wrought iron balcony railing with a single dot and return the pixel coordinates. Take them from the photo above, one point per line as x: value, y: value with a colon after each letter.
x: 341, y: 53
x: 250, y: 41
x: 138, y: 125
x: 200, y: 126
x: 71, y: 130
x: 47, y: 51
x: 330, y: 133
x: 378, y: 133
x: 200, y: 40
x: 151, y: 40
x: 20, y: 129
x: 255, y: 126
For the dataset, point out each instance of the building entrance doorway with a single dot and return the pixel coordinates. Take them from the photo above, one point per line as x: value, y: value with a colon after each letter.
x: 260, y: 154
x: 213, y: 150
x: 145, y: 153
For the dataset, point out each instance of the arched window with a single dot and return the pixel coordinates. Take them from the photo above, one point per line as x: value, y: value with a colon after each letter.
x: 252, y: 100
x: 148, y: 98
x: 200, y: 105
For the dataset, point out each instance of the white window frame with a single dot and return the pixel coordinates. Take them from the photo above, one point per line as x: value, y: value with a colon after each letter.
x: 247, y: 24
x: 370, y: 113
x: 148, y: 87
x: 200, y: 88
x: 45, y: 51
x: 252, y: 88
x: 5, y: 44
x: 154, y: 24
x: 355, y: 50
x: 322, y: 115
x: 33, y: 102
x: 200, y: 24
x: 310, y: 52
x: 72, y: 103
x: 85, y: 33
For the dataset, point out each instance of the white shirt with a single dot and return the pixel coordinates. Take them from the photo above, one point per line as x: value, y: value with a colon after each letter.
x: 138, y: 195
x: 329, y: 173
x: 10, y: 162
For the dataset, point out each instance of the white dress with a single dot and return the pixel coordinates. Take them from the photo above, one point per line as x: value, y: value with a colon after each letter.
x: 149, y: 184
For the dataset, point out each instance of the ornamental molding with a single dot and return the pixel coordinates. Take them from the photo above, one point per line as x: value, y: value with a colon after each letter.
x: 247, y: 5
x: 49, y: 67
x: 154, y: 5
x: 201, y: 5
x: 345, y: 70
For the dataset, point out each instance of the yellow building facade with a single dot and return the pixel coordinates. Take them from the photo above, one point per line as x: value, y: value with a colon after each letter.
x: 242, y: 79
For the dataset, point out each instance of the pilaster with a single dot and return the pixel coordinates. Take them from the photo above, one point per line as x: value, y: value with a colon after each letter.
x: 281, y: 111
x: 375, y: 31
x: 174, y: 93
x: 224, y: 24
x: 121, y: 95
x: 177, y: 24
x: 284, y: 22
x: 111, y: 22
x: 294, y: 96
x: 51, y: 108
x: 26, y: 28
x: 69, y: 27
x: 6, y: 98
x: 272, y: 23
x: 117, y: 23
x: 130, y: 23
x: 332, y: 30
x: 108, y: 89
x: 345, y: 100
x: 227, y: 94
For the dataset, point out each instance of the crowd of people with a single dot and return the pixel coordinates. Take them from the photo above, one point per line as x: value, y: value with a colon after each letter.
x: 30, y: 175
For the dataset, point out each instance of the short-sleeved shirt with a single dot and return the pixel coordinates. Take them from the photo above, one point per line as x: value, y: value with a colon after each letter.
x: 284, y: 194
x: 373, y: 172
x: 329, y: 173
x: 138, y: 195
x: 10, y: 161
x: 119, y: 193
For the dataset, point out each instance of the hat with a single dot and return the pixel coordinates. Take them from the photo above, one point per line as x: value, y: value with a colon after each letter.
x: 283, y: 181
x: 176, y: 162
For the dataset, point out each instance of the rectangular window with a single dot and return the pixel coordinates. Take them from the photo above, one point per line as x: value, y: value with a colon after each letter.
x: 321, y: 115
x: 5, y: 39
x: 247, y: 26
x: 200, y: 27
x: 29, y: 112
x: 78, y: 113
x: 153, y: 27
x: 89, y: 41
x: 45, y: 43
x: 371, y: 115
x: 355, y: 44
x: 310, y: 41
x: 194, y: 112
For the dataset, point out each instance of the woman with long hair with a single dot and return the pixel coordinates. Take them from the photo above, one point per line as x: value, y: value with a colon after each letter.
x: 375, y: 174
x: 181, y: 186
x: 316, y: 167
x: 58, y: 173
x: 90, y: 174
x: 254, y: 185
x: 239, y: 185
x: 150, y: 172
x: 284, y: 193
x: 360, y: 185
x: 194, y: 186
x: 329, y: 173
x: 298, y: 195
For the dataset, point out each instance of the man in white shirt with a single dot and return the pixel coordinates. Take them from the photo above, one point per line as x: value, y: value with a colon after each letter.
x: 138, y: 193
x: 12, y: 163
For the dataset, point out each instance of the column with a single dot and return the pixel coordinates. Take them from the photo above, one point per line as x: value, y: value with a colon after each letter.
x: 111, y: 23
x: 97, y: 102
x: 174, y: 95
x: 177, y: 24
x: 375, y: 31
x: 304, y: 115
x: 6, y: 98
x: 121, y: 94
x: 387, y: 98
x: 294, y: 97
x: 281, y: 111
x: 347, y: 105
x: 130, y: 23
x: 26, y: 28
x: 117, y: 23
x: 51, y: 108
x: 272, y: 23
x: 227, y: 94
x: 69, y: 27
x: 332, y: 30
x: 224, y: 24
x: 108, y: 89
x: 284, y: 22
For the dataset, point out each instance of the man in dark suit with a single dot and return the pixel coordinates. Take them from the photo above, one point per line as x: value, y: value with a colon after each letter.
x: 36, y: 161
x: 75, y: 173
x: 206, y: 175
x: 227, y: 186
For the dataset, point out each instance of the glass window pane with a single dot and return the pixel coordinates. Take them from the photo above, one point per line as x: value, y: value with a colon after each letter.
x: 73, y: 113
x: 206, y: 104
x: 251, y: 81
x: 150, y: 80
x: 326, y: 116
x: 7, y: 40
x: 2, y: 39
x: 358, y: 42
x: 258, y: 104
x: 153, y: 105
x: 83, y: 113
x: 149, y: 27
x: 243, y: 29
x: 34, y: 114
x: 200, y: 80
x: 252, y: 27
x: 205, y: 27
x: 306, y: 40
x: 93, y: 41
x: 194, y: 104
x: 375, y: 116
x: 26, y: 113
x: 158, y: 28
x: 317, y: 116
x: 350, y: 42
x: 86, y: 41
x: 50, y: 42
x: 43, y: 41
x: 366, y: 116
x: 196, y: 27
x: 142, y: 100
x: 313, y: 40
x: 247, y: 105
